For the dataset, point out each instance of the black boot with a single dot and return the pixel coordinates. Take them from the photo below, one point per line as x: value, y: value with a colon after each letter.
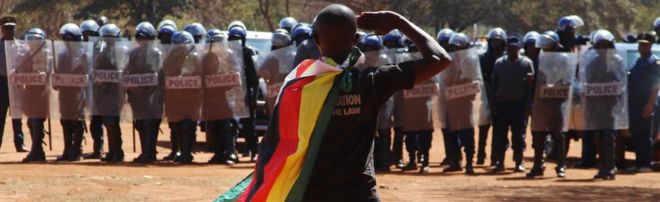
x: 397, y: 148
x: 37, y: 133
x: 605, y: 140
x: 469, y: 169
x: 481, y: 148
x: 174, y: 139
x: 139, y: 126
x: 187, y: 138
x: 111, y: 150
x: 412, y: 164
x: 454, y: 161
x: 148, y: 140
x: 538, y: 144
x: 96, y: 130
x: 116, y: 153
x: 75, y: 154
x: 425, y: 162
x: 217, y: 135
x: 498, y: 159
x: 67, y: 133
x: 518, y: 158
x: 560, y: 141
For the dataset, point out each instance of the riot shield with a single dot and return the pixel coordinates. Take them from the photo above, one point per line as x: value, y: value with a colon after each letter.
x: 553, y: 100
x: 70, y: 79
x: 385, y: 115
x: 110, y: 57
x: 224, y: 82
x: 273, y: 68
x: 418, y: 105
x: 142, y: 79
x: 378, y: 58
x: 440, y: 118
x: 603, y: 97
x: 407, y: 57
x: 183, y: 83
x: 28, y: 66
x: 463, y: 92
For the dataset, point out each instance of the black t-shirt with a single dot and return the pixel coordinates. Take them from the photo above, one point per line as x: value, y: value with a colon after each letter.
x: 344, y: 167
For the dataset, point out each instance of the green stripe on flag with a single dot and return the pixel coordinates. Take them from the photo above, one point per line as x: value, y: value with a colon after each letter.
x: 235, y: 192
x: 298, y: 190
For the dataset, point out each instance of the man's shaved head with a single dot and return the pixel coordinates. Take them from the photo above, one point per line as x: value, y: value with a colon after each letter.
x: 336, y: 15
x: 335, y: 31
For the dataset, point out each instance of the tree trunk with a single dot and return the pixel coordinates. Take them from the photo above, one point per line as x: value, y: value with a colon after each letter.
x: 264, y: 8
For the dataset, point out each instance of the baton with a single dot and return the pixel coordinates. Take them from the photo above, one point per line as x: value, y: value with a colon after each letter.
x: 134, y: 150
x: 50, y: 137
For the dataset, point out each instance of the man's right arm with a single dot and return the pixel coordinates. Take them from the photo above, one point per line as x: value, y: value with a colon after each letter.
x: 435, y: 58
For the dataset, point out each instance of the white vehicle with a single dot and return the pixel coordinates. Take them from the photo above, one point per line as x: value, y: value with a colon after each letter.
x: 630, y: 54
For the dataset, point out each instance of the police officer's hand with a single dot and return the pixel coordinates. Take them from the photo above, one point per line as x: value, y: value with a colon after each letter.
x: 380, y: 22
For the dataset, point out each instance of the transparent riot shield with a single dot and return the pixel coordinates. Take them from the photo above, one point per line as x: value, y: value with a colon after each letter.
x: 554, y: 90
x: 464, y: 101
x: 603, y: 97
x: 407, y: 56
x: 28, y: 67
x: 182, y: 71
x: 378, y: 58
x: 385, y: 115
x: 142, y: 80
x: 223, y: 82
x: 418, y: 105
x: 70, y: 80
x: 107, y: 94
x: 440, y: 118
x: 273, y: 68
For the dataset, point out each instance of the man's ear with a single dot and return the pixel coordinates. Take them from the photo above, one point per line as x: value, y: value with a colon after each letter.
x: 356, y: 38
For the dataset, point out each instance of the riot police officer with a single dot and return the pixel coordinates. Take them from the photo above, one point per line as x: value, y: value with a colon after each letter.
x: 443, y: 39
x: 166, y: 30
x: 550, y: 112
x: 146, y: 99
x: 71, y: 98
x: 197, y: 30
x: 302, y: 32
x: 238, y: 32
x: 288, y: 23
x: 496, y: 44
x: 394, y: 40
x: 107, y: 98
x: 90, y: 28
x: 33, y: 99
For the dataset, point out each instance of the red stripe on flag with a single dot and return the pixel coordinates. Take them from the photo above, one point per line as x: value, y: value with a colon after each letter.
x: 288, y: 136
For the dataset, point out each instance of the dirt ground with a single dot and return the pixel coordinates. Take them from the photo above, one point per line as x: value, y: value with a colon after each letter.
x: 91, y: 180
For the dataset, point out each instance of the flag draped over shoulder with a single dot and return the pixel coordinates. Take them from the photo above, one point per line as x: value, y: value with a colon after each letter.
x: 288, y: 153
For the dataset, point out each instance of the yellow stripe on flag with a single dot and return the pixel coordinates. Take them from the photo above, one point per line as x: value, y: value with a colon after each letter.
x: 313, y: 98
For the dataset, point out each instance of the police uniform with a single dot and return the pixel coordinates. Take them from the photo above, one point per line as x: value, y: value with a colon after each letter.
x: 4, y: 93
x: 643, y: 78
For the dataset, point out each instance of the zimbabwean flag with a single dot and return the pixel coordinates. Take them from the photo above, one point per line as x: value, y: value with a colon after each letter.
x: 289, y: 149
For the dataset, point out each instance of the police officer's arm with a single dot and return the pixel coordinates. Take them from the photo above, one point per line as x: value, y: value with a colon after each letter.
x: 435, y: 58
x: 650, y: 104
